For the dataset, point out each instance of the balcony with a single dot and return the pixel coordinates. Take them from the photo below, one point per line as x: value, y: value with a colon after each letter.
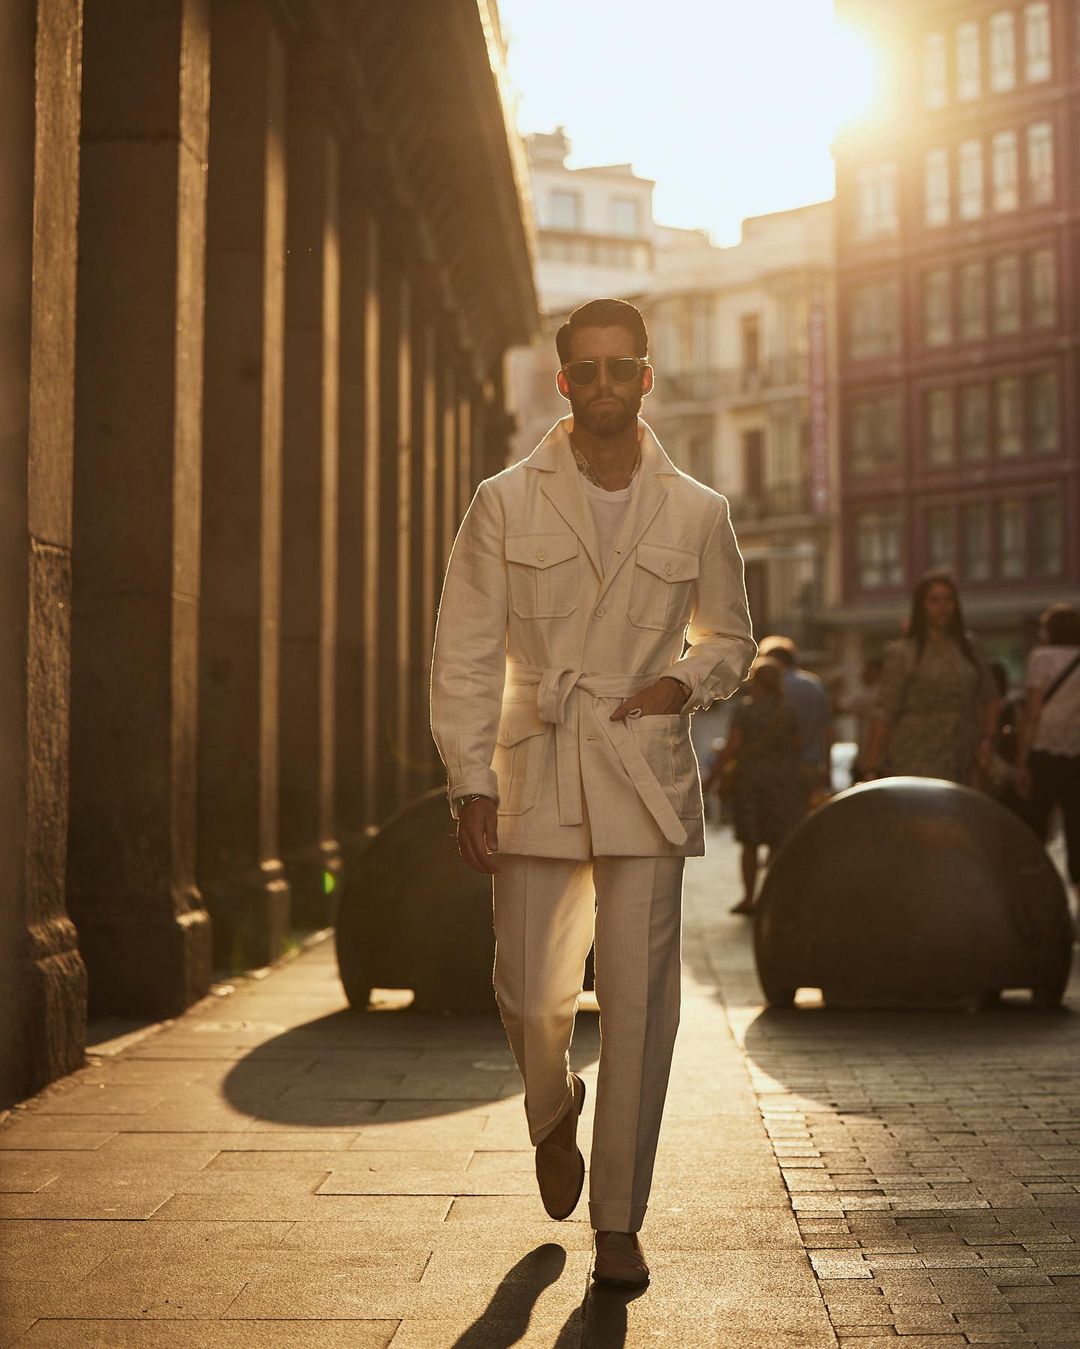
x: 774, y: 502
x: 738, y: 382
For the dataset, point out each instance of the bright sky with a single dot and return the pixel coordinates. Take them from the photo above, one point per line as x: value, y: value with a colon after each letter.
x: 730, y: 105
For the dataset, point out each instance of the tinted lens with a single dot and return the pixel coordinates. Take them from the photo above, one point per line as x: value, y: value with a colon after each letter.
x: 623, y: 369
x: 581, y: 372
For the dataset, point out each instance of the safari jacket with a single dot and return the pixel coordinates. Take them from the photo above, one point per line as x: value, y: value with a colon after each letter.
x: 535, y: 647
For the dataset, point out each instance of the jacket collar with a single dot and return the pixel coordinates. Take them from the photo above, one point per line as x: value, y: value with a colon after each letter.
x: 562, y: 485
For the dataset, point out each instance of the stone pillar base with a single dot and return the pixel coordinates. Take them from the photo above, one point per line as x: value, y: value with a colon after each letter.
x: 151, y: 967
x: 251, y: 914
x: 43, y: 1013
x: 315, y: 876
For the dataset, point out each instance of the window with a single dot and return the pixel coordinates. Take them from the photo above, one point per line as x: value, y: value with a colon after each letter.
x: 1042, y: 287
x: 973, y: 300
x: 1005, y: 291
x: 878, y: 554
x: 874, y: 433
x: 1047, y: 536
x: 1040, y: 163
x: 937, y: 187
x: 1005, y: 171
x: 1011, y: 538
x: 935, y: 71
x: 975, y: 518
x: 625, y: 216
x: 875, y: 320
x: 753, y: 455
x: 1037, y: 41
x: 875, y: 201
x: 699, y: 456
x: 1043, y: 396
x: 940, y: 431
x: 941, y: 537
x: 750, y: 343
x: 1008, y: 418
x: 971, y: 180
x: 937, y: 307
x: 1002, y: 52
x: 565, y: 210
x: 974, y: 421
x: 968, y: 62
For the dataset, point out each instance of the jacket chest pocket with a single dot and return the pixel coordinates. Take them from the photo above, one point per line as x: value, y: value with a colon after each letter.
x: 660, y: 586
x: 543, y: 574
x: 520, y: 749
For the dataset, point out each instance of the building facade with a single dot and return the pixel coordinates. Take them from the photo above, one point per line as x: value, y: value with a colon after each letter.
x: 742, y: 343
x: 261, y: 262
x: 595, y: 236
x: 958, y: 239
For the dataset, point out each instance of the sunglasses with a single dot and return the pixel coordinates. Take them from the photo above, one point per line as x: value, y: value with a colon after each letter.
x: 620, y: 369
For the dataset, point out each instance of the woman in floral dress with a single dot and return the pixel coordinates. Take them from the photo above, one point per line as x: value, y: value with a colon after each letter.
x: 937, y: 707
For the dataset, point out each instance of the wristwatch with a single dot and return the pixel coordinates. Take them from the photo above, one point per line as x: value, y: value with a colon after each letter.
x: 461, y: 801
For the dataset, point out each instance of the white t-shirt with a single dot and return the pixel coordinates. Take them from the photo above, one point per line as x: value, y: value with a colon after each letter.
x: 608, y: 511
x: 1058, y: 731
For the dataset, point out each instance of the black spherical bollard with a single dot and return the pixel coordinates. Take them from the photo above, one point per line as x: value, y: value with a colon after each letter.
x: 413, y: 915
x: 912, y: 892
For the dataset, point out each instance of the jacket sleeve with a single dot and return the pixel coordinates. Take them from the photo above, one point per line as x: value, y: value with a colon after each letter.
x: 468, y: 666
x: 721, y: 645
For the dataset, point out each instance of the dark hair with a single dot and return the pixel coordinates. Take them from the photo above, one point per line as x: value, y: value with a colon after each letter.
x: 917, y: 621
x: 1062, y: 624
x: 603, y: 314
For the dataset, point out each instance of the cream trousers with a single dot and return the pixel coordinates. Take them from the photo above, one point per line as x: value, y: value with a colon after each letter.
x: 544, y: 926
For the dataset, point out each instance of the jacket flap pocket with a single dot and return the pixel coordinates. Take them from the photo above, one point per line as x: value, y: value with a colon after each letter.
x: 670, y: 564
x: 540, y: 550
x: 519, y: 722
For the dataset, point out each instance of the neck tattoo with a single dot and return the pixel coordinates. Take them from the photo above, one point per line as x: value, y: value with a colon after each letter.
x: 586, y: 469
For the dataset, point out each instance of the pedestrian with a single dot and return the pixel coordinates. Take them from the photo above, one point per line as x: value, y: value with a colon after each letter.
x: 763, y: 753
x: 561, y: 697
x: 937, y: 710
x: 860, y: 706
x: 999, y: 777
x: 1048, y: 753
x: 813, y: 715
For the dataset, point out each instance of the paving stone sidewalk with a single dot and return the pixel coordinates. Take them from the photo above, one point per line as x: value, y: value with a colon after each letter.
x: 271, y: 1171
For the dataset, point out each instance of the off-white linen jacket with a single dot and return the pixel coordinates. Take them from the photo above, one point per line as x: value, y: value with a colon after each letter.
x: 535, y: 647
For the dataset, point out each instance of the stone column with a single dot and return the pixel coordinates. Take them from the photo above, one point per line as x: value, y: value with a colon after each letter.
x: 144, y: 933
x: 464, y: 435
x: 42, y: 977
x: 405, y: 535
x: 240, y: 873
x: 374, y: 599
x: 424, y: 553
x: 390, y: 642
x: 448, y: 474
x: 309, y: 542
x: 356, y: 516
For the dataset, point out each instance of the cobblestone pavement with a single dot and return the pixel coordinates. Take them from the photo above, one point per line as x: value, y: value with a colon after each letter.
x: 272, y: 1172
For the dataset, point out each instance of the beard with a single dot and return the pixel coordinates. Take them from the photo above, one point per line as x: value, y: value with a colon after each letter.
x: 611, y: 419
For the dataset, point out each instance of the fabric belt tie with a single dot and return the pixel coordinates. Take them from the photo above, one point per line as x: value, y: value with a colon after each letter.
x: 553, y: 690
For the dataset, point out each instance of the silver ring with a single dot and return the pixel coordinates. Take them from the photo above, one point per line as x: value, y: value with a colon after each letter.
x: 634, y: 712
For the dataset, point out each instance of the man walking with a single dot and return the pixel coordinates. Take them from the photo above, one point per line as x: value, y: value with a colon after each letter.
x: 812, y: 706
x: 561, y: 694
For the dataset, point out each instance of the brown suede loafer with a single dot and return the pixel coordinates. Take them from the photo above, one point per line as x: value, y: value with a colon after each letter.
x: 620, y: 1261
x: 560, y: 1167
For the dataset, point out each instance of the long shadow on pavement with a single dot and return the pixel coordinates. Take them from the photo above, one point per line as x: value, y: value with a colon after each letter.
x: 600, y: 1322
x: 380, y: 1067
x: 855, y: 1058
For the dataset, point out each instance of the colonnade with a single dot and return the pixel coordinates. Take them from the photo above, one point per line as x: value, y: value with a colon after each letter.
x: 254, y: 377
